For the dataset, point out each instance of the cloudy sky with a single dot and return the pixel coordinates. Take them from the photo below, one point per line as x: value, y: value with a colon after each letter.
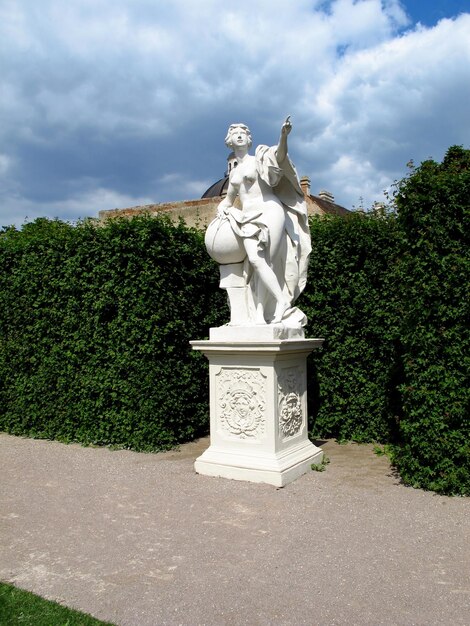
x: 113, y: 103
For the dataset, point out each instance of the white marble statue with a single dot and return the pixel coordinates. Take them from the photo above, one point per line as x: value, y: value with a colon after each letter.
x: 260, y: 237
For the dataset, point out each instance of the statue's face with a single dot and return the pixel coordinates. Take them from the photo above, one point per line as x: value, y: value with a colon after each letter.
x: 239, y: 138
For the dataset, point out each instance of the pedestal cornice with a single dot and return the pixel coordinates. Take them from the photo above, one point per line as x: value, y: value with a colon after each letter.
x: 258, y: 347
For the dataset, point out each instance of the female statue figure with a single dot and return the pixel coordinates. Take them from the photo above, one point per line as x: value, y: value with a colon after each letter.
x: 263, y: 246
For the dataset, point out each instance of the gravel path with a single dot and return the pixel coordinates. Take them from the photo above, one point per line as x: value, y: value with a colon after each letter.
x: 141, y: 540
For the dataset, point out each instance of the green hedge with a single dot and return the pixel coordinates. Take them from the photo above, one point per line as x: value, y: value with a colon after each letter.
x: 350, y: 301
x: 391, y: 297
x: 433, y: 206
x: 95, y: 324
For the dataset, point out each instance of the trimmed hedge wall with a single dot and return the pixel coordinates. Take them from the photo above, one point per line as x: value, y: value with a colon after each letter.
x: 95, y: 324
x: 433, y: 206
x: 87, y: 313
x: 351, y: 302
x: 392, y: 298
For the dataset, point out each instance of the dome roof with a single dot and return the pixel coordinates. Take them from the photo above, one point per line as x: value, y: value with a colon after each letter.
x: 217, y: 189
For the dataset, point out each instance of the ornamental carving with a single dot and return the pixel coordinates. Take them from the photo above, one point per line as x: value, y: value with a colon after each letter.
x: 290, y: 405
x: 240, y: 402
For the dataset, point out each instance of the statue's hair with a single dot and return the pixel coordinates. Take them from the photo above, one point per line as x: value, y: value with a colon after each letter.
x: 231, y: 128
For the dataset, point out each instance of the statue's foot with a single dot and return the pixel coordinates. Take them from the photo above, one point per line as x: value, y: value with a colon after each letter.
x: 259, y: 316
x: 260, y: 321
x: 281, y: 308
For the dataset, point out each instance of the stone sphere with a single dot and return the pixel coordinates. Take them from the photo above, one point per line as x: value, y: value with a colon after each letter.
x: 222, y: 244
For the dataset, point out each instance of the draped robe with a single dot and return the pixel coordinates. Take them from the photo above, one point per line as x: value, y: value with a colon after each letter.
x: 290, y: 266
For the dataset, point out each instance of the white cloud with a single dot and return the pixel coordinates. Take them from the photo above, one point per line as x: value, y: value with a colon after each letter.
x: 18, y: 209
x: 358, y: 179
x: 362, y: 24
x: 86, y: 81
x: 187, y: 189
x: 122, y: 67
x: 405, y: 98
x: 5, y: 164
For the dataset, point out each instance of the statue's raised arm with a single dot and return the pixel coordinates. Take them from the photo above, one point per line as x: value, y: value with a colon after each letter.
x: 262, y: 247
x: 281, y: 151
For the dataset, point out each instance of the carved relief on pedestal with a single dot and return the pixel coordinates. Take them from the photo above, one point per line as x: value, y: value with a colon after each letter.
x: 290, y: 405
x: 240, y: 398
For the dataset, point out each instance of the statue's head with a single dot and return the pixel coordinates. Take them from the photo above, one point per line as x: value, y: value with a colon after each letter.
x: 236, y: 128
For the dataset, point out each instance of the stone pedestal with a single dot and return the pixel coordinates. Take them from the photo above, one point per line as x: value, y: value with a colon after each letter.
x: 258, y: 404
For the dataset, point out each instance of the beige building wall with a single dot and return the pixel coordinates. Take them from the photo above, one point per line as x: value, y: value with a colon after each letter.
x: 197, y: 213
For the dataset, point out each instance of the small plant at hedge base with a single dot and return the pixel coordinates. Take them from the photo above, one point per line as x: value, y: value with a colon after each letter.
x: 382, y: 450
x: 320, y: 467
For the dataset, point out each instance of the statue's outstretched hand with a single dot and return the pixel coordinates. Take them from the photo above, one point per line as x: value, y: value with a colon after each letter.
x: 287, y: 126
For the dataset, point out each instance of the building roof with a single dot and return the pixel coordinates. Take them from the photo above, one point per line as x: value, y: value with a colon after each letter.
x: 217, y: 189
x: 329, y: 208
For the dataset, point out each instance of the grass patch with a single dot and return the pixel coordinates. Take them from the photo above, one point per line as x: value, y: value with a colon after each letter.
x: 25, y: 608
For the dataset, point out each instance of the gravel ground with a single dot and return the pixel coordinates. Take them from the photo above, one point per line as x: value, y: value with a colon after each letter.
x: 140, y: 539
